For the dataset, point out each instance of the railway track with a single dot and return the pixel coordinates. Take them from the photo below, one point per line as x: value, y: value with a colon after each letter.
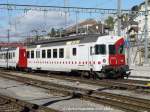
x: 127, y: 103
x: 8, y: 104
x: 114, y: 84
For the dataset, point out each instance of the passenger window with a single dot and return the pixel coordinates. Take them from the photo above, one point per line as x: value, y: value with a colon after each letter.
x: 54, y: 53
x: 37, y: 54
x: 100, y: 49
x: 28, y: 54
x: 8, y: 55
x: 13, y: 54
x: 61, y: 53
x: 49, y: 53
x: 32, y: 54
x: 43, y: 54
x: 74, y: 51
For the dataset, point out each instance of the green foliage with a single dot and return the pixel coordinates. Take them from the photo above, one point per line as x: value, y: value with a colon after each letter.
x: 53, y: 32
x: 110, y: 22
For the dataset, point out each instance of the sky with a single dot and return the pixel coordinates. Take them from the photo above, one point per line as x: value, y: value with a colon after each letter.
x: 21, y: 23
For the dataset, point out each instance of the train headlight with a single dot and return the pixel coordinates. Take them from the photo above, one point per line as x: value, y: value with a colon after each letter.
x: 104, y: 60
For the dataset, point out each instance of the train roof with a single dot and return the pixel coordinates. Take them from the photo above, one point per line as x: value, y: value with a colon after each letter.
x: 62, y: 41
x: 7, y: 49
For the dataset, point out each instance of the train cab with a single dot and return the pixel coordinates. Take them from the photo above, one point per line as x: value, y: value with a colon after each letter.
x: 116, y: 60
x: 110, y: 54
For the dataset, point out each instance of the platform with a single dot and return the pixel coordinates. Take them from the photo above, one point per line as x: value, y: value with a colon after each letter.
x: 140, y: 71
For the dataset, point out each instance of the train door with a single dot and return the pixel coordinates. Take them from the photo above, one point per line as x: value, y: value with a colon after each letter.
x: 91, y: 57
x: 67, y: 53
x: 22, y: 58
x: 83, y: 57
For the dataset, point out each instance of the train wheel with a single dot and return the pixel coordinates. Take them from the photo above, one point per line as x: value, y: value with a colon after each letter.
x: 85, y: 74
x: 29, y: 70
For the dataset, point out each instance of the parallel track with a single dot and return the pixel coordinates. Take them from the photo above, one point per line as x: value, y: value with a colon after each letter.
x: 127, y: 103
x: 115, y: 84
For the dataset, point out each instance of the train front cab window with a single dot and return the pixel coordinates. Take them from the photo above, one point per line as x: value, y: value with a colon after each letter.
x: 121, y: 49
x: 112, y: 49
x: 100, y: 49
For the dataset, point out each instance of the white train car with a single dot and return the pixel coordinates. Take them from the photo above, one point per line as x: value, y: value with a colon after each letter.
x: 85, y: 53
x: 13, y: 58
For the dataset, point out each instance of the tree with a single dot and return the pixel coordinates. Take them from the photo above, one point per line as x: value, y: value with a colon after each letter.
x: 110, y: 22
x: 53, y: 32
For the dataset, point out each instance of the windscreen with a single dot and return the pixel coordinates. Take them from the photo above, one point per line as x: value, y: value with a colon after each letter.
x: 100, y: 49
x: 121, y: 49
x: 112, y: 49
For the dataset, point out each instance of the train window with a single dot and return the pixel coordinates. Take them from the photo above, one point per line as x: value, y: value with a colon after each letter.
x: 13, y: 54
x: 37, y: 54
x: 100, y: 49
x: 43, y: 54
x: 49, y: 53
x: 32, y: 54
x: 28, y: 54
x: 74, y: 51
x: 91, y: 51
x: 54, y: 53
x: 5, y: 56
x: 121, y: 50
x: 61, y: 53
x: 8, y: 55
x: 112, y: 49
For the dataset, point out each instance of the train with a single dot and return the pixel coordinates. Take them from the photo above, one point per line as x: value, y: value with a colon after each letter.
x: 93, y: 55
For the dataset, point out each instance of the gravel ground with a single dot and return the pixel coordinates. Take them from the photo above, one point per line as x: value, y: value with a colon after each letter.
x: 77, y: 105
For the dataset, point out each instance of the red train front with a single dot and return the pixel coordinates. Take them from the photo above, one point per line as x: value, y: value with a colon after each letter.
x: 117, y: 61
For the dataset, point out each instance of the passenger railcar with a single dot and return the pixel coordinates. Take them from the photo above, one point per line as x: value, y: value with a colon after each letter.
x: 13, y: 58
x: 103, y: 56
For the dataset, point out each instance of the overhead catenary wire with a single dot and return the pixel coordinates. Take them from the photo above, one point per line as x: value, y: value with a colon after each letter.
x: 60, y: 8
